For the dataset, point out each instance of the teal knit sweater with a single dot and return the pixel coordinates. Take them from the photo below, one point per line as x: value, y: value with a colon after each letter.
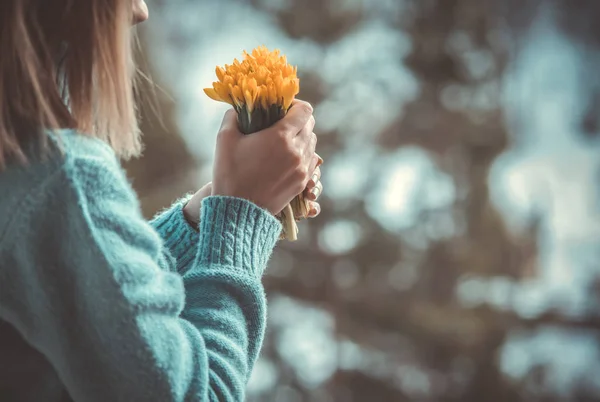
x: 96, y: 304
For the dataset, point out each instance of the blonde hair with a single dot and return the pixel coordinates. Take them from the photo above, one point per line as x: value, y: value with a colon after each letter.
x: 95, y: 95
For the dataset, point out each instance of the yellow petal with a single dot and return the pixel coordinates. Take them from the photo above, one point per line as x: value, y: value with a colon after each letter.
x: 223, y: 92
x: 289, y: 91
x: 263, y: 97
x: 278, y: 80
x: 260, y: 79
x: 220, y: 73
x: 234, y: 101
x: 249, y: 98
x: 260, y: 52
x: 212, y: 94
x: 252, y: 85
x: 227, y: 80
x: 239, y: 78
x: 272, y: 93
x: 237, y: 95
x: 290, y: 71
x: 261, y: 75
x: 231, y: 70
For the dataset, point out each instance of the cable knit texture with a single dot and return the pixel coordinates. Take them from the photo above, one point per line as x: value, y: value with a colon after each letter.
x: 97, y: 304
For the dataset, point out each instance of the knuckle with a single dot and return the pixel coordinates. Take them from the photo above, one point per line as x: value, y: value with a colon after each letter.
x: 296, y: 159
x: 281, y: 135
x: 285, y: 130
x: 301, y: 175
x: 306, y: 107
x: 288, y: 145
x: 221, y: 135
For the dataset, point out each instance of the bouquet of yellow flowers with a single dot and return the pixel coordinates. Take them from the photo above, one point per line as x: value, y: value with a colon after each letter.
x: 262, y: 88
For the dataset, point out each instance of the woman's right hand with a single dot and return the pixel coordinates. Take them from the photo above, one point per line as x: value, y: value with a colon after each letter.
x: 269, y: 167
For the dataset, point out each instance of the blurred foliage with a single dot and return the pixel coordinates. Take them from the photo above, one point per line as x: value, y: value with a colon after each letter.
x: 362, y: 310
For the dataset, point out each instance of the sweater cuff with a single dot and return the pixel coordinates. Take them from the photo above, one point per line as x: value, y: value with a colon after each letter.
x: 178, y: 236
x: 235, y: 232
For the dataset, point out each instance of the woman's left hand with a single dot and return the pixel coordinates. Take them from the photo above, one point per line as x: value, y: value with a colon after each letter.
x: 313, y: 191
x: 191, y: 210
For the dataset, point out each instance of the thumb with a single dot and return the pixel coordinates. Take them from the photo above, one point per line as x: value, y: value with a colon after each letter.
x: 229, y: 127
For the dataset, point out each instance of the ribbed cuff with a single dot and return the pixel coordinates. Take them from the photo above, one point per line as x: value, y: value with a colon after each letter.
x: 235, y: 232
x: 178, y: 236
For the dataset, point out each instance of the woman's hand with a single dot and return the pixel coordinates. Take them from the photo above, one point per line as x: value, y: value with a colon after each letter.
x: 270, y: 167
x: 191, y: 210
x: 313, y: 191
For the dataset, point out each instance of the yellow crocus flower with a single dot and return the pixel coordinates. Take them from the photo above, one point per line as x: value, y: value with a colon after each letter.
x: 241, y: 84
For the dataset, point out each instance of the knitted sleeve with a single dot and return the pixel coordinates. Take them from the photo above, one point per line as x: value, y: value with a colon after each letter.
x: 180, y: 239
x: 88, y: 284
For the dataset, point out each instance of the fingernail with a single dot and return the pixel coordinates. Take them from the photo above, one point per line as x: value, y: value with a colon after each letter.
x: 316, y: 210
x: 313, y: 181
x: 315, y: 193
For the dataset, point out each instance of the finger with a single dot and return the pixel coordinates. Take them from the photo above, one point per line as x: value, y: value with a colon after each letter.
x: 206, y: 190
x: 315, y: 192
x: 320, y: 160
x: 308, y: 144
x: 314, y: 179
x: 312, y: 166
x: 308, y: 128
x: 298, y: 116
x: 314, y: 209
x: 311, y: 147
x: 230, y: 122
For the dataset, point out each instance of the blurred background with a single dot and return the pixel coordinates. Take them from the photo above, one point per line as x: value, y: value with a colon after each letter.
x: 457, y: 257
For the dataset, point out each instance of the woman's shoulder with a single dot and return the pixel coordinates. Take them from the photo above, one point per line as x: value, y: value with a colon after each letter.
x: 93, y: 169
x: 73, y: 146
x: 66, y: 151
x: 71, y: 161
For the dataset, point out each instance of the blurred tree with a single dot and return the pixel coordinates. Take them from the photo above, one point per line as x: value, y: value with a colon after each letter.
x: 427, y: 345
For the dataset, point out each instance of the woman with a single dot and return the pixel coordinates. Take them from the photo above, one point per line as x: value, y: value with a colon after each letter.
x: 95, y: 303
